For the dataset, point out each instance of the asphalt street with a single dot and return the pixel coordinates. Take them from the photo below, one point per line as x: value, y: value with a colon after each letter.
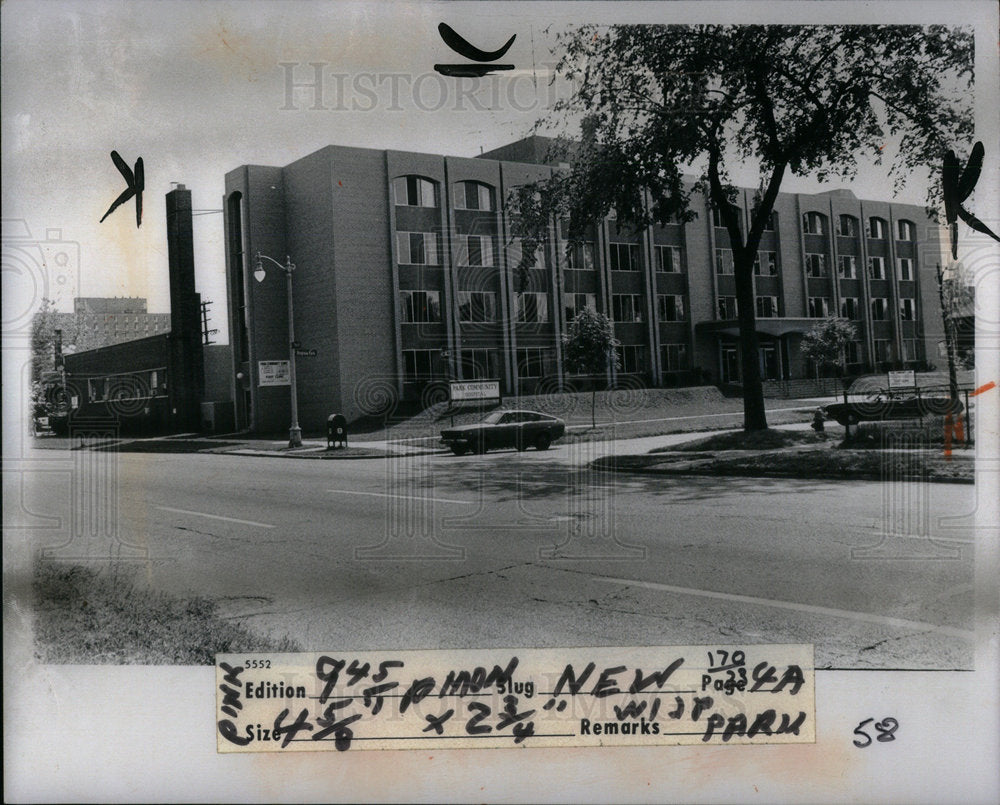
x: 525, y: 549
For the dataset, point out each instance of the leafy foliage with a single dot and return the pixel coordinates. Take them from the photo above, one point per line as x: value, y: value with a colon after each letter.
x: 589, y: 344
x: 654, y: 102
x: 826, y: 342
x: 590, y: 348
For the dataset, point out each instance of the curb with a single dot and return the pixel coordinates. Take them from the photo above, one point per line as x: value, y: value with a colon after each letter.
x: 732, y: 472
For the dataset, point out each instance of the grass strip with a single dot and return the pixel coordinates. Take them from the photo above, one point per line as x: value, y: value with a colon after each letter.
x: 102, y: 616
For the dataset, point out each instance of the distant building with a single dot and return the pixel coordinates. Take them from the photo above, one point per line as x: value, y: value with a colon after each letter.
x: 407, y: 275
x: 102, y: 321
x: 155, y: 383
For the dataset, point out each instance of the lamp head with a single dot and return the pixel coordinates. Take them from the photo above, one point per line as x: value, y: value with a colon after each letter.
x: 259, y: 273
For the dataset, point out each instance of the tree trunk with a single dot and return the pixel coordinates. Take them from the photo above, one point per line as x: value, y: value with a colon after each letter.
x: 754, y: 414
x: 593, y: 407
x: 950, y: 336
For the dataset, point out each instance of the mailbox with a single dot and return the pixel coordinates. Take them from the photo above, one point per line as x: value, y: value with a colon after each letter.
x: 336, y: 430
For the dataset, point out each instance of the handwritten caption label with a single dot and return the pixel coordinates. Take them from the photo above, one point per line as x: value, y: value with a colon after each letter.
x: 515, y: 697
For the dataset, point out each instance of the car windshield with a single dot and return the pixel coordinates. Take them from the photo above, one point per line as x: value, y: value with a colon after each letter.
x: 493, y: 418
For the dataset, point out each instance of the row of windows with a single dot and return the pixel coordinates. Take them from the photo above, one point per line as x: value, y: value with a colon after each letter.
x: 819, y: 308
x: 424, y: 307
x: 815, y: 223
x: 477, y: 364
x: 421, y: 248
x: 133, y: 386
x: 416, y: 191
x: 484, y: 364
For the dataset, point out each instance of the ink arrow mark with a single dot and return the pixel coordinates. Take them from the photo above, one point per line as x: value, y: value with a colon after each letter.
x: 136, y: 182
x: 463, y: 47
x: 957, y: 189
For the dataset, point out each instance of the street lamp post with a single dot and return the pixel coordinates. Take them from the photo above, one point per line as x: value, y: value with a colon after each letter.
x: 294, y: 431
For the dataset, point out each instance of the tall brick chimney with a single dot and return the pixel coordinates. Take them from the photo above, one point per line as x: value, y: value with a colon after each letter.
x: 186, y: 373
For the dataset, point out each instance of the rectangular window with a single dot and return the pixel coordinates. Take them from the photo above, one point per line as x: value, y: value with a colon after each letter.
x: 480, y: 364
x: 517, y: 258
x: 532, y: 308
x: 876, y: 268
x: 474, y: 196
x: 418, y: 364
x: 910, y: 349
x: 880, y: 309
x: 723, y: 261
x: 814, y: 223
x: 633, y: 358
x: 417, y: 248
x: 530, y: 362
x: 766, y: 264
x: 412, y: 191
x: 905, y: 230
x: 728, y: 309
x: 668, y: 259
x: 717, y: 217
x: 876, y: 228
x: 674, y: 357
x: 881, y: 350
x: 624, y: 256
x: 580, y: 255
x: 670, y: 307
x: 819, y: 307
x: 848, y: 226
x: 904, y: 267
x: 477, y: 306
x: 475, y: 250
x: 850, y: 308
x: 626, y: 308
x: 907, y: 309
x: 767, y: 307
x: 816, y: 265
x: 848, y: 267
x: 577, y: 302
x: 852, y: 352
x: 420, y: 307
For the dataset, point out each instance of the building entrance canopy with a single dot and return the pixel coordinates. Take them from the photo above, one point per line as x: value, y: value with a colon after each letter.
x: 772, y: 327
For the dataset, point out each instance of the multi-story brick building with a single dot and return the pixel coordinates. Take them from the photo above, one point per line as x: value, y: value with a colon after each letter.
x: 102, y: 321
x: 407, y: 273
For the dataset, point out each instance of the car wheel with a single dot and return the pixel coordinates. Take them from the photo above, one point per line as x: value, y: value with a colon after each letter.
x: 459, y: 449
x: 542, y: 441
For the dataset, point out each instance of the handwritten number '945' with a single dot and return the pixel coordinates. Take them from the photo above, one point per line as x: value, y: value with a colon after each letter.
x: 885, y: 730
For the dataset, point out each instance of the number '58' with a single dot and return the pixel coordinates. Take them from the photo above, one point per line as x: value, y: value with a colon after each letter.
x: 885, y: 729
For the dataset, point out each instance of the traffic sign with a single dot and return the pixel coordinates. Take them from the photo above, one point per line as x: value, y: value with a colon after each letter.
x: 305, y: 353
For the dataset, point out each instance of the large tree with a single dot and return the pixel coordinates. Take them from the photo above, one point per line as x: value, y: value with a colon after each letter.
x: 664, y: 110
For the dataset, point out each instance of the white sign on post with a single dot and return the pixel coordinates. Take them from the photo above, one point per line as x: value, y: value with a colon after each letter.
x: 903, y: 380
x: 474, y: 390
x: 274, y: 373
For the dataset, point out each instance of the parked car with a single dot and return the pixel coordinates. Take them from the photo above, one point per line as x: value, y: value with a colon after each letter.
x: 518, y: 429
x: 889, y: 406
